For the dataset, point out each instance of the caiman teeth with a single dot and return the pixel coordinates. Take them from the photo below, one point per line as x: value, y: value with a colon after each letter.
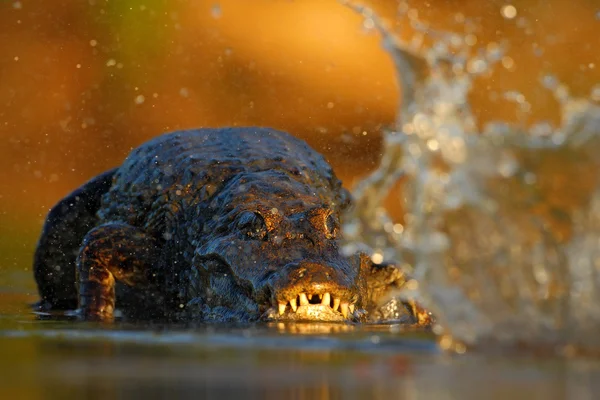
x: 293, y: 304
x: 303, y: 299
x: 336, y: 304
x: 344, y: 309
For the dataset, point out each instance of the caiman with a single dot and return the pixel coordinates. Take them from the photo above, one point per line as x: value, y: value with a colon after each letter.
x: 231, y: 224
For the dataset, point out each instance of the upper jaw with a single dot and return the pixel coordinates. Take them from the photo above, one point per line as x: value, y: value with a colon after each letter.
x: 314, y: 292
x: 315, y: 289
x: 315, y: 305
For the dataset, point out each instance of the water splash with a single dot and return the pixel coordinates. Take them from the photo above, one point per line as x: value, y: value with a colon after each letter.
x: 502, y: 224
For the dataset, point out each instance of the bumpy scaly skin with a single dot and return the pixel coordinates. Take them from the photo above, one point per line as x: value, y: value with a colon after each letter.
x: 210, y: 224
x: 66, y: 225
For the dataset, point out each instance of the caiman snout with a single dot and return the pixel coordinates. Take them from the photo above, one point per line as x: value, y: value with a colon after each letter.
x: 313, y: 291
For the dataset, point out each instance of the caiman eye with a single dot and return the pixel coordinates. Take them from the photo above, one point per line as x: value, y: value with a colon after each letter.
x: 332, y: 226
x: 252, y: 225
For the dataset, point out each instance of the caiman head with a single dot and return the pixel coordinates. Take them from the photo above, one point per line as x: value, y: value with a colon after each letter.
x: 269, y: 249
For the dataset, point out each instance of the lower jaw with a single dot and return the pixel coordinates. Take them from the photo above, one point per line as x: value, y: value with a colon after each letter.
x: 311, y: 312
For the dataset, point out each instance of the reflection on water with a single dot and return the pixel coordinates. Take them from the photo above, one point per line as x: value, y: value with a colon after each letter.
x: 57, y: 359
x: 262, y: 362
x: 502, y: 222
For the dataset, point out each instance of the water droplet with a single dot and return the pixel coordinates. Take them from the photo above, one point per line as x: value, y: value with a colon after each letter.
x: 530, y: 178
x: 184, y: 92
x: 595, y: 94
x: 508, y: 11
x: 460, y: 348
x: 471, y: 40
x: 111, y: 62
x: 445, y: 342
x: 494, y: 52
x: 433, y: 145
x: 412, y: 285
x: 414, y: 150
x: 93, y: 43
x: 550, y: 82
x: 377, y: 258
x: 558, y: 138
x: 456, y: 41
x: 507, y: 166
x: 422, y: 124
x: 541, y: 129
x: 139, y: 99
x: 508, y: 62
x: 216, y: 11
x: 477, y: 66
x: 514, y: 96
x: 398, y: 228
x: 459, y: 17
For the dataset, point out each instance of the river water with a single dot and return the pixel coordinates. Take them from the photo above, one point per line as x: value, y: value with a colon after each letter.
x: 60, y: 359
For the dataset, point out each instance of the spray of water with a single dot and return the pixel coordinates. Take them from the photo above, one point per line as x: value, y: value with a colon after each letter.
x: 502, y: 224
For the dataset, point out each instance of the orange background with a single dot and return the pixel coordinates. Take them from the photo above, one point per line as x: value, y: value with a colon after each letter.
x: 71, y: 71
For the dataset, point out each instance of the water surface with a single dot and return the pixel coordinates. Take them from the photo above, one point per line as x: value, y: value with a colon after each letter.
x: 56, y: 359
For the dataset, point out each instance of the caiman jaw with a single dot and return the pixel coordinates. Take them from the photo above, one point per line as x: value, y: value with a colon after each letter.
x: 311, y: 300
x: 313, y: 306
x: 314, y: 291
